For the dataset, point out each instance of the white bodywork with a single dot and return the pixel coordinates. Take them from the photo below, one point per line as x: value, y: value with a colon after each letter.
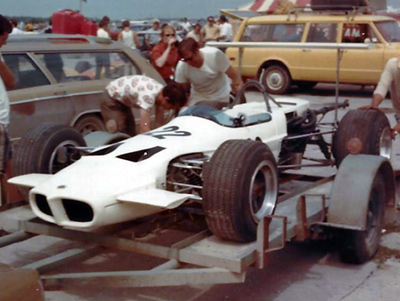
x: 119, y: 189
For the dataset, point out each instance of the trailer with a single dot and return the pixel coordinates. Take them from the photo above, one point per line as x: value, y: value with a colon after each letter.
x: 316, y: 209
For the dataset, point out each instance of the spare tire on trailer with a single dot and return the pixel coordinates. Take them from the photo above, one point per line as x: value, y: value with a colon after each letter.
x: 240, y: 187
x: 363, y: 131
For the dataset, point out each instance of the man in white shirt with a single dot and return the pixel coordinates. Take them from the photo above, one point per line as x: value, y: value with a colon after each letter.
x: 207, y: 70
x: 102, y: 32
x: 225, y: 34
x: 15, y: 29
x: 7, y: 80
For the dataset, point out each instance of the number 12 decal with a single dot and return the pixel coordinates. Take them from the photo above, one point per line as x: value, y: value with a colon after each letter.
x: 168, y: 131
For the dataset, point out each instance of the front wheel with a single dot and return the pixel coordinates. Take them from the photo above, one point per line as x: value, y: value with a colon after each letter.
x: 47, y: 149
x: 240, y: 187
x: 276, y: 79
x: 360, y: 246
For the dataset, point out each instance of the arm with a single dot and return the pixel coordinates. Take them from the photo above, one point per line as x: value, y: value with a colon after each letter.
x: 119, y: 39
x: 159, y: 116
x: 144, y: 120
x: 160, y: 61
x: 6, y: 75
x: 382, y: 87
x: 136, y: 40
x: 233, y: 75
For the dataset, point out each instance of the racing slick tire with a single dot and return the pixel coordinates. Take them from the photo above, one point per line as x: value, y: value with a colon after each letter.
x: 88, y: 124
x: 360, y: 246
x: 40, y: 150
x: 240, y: 187
x: 362, y: 131
x: 219, y: 105
x: 276, y: 79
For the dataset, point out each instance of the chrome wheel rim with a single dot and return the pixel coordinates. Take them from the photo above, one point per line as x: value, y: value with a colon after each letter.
x: 385, y: 143
x: 275, y: 80
x: 263, y: 191
x: 56, y: 163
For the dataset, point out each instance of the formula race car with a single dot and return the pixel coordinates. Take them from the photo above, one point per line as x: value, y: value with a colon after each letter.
x: 227, y: 157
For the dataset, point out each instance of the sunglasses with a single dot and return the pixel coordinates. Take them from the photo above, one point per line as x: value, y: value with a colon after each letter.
x: 170, y: 35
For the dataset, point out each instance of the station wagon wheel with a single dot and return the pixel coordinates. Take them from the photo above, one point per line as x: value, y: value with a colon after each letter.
x: 276, y: 79
x: 370, y: 129
x: 88, y: 124
x: 359, y: 246
x: 240, y: 187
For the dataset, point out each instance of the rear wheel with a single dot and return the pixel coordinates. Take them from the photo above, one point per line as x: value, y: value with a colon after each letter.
x: 360, y: 246
x: 369, y: 132
x: 276, y: 79
x: 240, y: 187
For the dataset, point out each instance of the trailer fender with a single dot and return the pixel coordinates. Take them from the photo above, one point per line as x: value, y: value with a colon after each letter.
x: 351, y: 190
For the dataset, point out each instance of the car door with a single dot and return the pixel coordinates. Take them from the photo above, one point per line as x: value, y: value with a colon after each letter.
x: 361, y: 66
x: 319, y: 65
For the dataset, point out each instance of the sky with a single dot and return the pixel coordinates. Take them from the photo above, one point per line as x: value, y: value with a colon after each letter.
x: 121, y: 9
x: 127, y: 9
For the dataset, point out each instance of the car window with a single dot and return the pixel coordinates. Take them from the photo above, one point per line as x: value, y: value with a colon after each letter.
x: 322, y: 33
x: 358, y: 33
x: 26, y: 73
x: 69, y: 67
x: 390, y: 30
x: 273, y: 33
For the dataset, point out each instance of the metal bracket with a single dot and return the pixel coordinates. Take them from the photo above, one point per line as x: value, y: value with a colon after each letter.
x: 263, y: 248
x: 302, y: 227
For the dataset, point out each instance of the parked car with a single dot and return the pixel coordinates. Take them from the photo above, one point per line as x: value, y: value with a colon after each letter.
x: 60, y: 78
x: 282, y: 67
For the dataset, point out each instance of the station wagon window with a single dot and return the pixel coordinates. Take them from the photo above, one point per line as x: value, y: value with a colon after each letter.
x: 322, y: 33
x: 69, y: 67
x: 273, y: 33
x: 390, y: 30
x: 26, y: 73
x: 358, y: 33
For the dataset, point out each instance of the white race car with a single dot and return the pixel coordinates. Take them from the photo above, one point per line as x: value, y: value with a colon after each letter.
x: 224, y: 158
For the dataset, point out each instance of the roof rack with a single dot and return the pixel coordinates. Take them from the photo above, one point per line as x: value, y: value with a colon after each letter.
x: 57, y: 38
x: 349, y: 10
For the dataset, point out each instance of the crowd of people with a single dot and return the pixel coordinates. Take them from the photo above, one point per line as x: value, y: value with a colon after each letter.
x: 191, y: 71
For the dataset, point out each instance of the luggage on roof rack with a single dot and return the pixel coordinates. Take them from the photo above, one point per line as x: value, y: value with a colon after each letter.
x: 337, y: 4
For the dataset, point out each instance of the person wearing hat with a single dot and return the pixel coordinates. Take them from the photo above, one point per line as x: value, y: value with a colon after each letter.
x: 390, y: 80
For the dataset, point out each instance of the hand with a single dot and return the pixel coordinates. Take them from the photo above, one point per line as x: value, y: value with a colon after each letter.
x: 171, y: 41
x: 236, y: 86
x: 369, y: 107
x: 395, y: 131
